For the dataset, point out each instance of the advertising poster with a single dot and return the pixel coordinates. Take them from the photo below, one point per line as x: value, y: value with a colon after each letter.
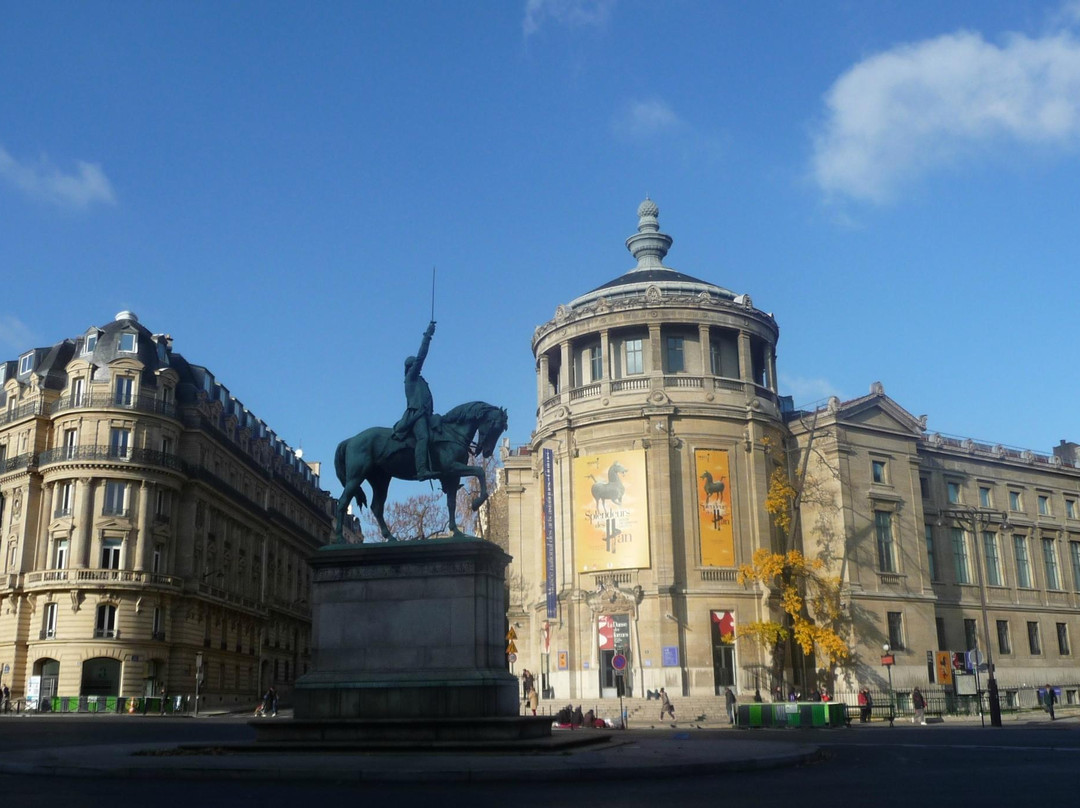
x: 548, y: 480
x: 611, y: 511
x: 714, y: 508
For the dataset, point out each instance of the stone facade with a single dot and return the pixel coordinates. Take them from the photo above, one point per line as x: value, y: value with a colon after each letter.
x: 643, y: 489
x: 148, y: 518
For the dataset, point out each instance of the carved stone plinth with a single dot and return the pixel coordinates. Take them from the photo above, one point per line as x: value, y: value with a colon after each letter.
x: 408, y: 631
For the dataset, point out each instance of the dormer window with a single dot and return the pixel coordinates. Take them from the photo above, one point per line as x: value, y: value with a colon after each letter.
x: 26, y: 363
x: 90, y: 344
x: 128, y: 343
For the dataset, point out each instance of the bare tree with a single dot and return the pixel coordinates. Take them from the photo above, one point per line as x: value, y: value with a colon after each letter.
x: 418, y: 517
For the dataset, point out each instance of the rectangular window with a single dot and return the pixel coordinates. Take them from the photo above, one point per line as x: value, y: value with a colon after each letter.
x: 877, y: 471
x: 65, y: 496
x: 158, y: 627
x: 1070, y: 508
x: 110, y: 554
x: 993, y: 561
x: 71, y: 443
x: 1034, y: 645
x: 716, y: 363
x: 119, y: 442
x: 984, y: 497
x: 1023, y: 565
x: 77, y: 390
x: 1074, y: 557
x: 1063, y: 639
x: 123, y: 390
x: 931, y: 556
x: 128, y: 343
x: 971, y: 634
x: 116, y: 495
x: 155, y: 564
x: 90, y: 344
x: 60, y: 554
x: 942, y: 643
x: 596, y: 365
x: 1004, y: 643
x: 105, y: 623
x: 953, y: 490
x: 883, y: 527
x: 1044, y: 505
x: 924, y: 487
x: 960, y: 556
x: 48, y: 628
x: 676, y: 361
x: 635, y: 359
x: 161, y: 503
x: 896, y: 630
x: 1050, y: 562
x: 1014, y: 501
x: 26, y: 363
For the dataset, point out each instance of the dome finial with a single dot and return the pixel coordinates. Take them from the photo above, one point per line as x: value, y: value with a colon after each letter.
x: 648, y: 245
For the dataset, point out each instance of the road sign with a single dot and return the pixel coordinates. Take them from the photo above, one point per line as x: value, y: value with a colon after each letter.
x: 511, y: 648
x: 618, y: 662
x: 512, y: 658
x: 511, y: 634
x: 888, y: 659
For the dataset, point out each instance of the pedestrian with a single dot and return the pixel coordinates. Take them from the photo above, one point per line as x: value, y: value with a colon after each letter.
x: 1049, y: 699
x: 273, y: 702
x: 665, y: 705
x: 757, y: 696
x: 862, y: 706
x: 7, y: 698
x: 869, y: 705
x: 527, y: 683
x: 919, y: 703
x: 534, y: 700
x: 730, y: 701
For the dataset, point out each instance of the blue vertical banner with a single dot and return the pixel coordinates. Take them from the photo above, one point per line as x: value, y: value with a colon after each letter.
x: 549, y: 533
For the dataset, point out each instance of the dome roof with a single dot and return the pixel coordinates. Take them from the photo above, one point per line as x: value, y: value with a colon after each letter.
x: 649, y: 246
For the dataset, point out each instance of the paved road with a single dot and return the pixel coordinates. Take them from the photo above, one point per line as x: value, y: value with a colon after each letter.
x: 1020, y: 765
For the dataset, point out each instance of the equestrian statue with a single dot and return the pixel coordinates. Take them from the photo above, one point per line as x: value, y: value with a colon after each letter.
x: 422, y: 445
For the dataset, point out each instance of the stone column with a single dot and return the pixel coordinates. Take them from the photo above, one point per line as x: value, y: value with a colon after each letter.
x: 48, y: 500
x: 746, y: 369
x: 705, y: 342
x: 566, y: 378
x: 541, y: 380
x: 656, y: 355
x: 605, y: 359
x: 770, y: 368
x: 142, y: 537
x: 84, y: 498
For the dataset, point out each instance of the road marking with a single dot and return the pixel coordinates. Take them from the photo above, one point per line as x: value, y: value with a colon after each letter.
x: 963, y: 746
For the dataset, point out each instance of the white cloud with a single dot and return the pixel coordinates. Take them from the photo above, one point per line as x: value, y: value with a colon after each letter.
x: 571, y: 13
x: 940, y: 102
x: 14, y: 335
x: 87, y: 185
x: 807, y: 391
x: 646, y: 118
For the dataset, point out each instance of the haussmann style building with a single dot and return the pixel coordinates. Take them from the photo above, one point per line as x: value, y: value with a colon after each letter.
x: 643, y: 489
x: 153, y: 529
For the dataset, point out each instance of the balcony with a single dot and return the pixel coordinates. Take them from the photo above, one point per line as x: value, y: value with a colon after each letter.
x: 15, y: 463
x: 76, y: 578
x: 12, y: 414
x: 111, y: 401
x: 98, y: 453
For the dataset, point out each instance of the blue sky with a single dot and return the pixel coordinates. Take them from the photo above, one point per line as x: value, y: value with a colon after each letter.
x: 272, y: 183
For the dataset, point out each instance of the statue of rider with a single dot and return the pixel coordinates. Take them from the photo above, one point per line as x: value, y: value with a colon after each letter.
x: 418, y: 408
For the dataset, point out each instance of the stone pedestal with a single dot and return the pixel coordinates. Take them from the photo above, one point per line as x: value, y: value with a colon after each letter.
x: 408, y: 631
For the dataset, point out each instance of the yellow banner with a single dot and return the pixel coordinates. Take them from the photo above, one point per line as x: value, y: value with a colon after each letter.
x: 714, y: 508
x: 611, y: 511
x: 944, y: 667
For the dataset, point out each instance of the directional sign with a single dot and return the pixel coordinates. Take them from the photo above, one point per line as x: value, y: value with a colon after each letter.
x: 511, y: 648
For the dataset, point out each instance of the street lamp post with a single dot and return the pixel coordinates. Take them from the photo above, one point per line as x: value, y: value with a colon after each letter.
x: 888, y: 660
x: 977, y: 518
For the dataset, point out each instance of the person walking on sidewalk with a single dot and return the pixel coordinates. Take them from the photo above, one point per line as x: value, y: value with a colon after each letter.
x: 729, y: 701
x: 1051, y: 697
x: 665, y: 705
x: 918, y: 701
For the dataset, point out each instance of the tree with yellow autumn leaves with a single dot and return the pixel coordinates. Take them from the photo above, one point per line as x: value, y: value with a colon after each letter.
x: 807, y: 596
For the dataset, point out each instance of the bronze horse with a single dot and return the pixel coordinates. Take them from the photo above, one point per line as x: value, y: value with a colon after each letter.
x: 375, y: 456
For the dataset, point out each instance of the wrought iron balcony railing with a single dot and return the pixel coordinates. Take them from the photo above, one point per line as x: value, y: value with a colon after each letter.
x: 111, y: 401
x: 94, y: 452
